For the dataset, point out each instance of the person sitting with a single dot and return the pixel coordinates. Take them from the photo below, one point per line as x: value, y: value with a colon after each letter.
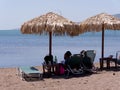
x: 49, y: 63
x: 48, y: 59
x: 87, y: 62
x: 73, y: 61
x: 67, y: 56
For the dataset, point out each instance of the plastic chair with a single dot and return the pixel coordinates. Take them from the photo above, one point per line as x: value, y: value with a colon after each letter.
x: 118, y: 57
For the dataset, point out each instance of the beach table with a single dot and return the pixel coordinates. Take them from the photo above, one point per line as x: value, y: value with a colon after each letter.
x: 107, y: 61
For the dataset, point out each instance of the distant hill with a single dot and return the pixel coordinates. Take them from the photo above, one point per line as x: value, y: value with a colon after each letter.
x: 117, y: 15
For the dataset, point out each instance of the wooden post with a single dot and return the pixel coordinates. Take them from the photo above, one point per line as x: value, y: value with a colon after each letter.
x: 50, y: 43
x: 102, y: 55
x: 102, y: 51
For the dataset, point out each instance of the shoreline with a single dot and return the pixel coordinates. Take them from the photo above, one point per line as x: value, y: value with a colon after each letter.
x: 96, y: 64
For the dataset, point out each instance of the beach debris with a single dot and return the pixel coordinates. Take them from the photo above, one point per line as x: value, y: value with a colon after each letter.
x: 113, y: 73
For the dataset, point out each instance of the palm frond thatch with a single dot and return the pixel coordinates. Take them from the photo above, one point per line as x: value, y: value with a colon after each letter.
x: 50, y: 22
x: 95, y: 23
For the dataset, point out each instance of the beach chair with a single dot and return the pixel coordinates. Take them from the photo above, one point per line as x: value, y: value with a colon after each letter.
x: 76, y: 61
x: 91, y: 54
x: 74, y: 66
x: 69, y: 71
x: 29, y: 72
x: 117, y: 58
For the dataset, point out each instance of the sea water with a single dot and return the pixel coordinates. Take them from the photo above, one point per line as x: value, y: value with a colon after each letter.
x: 17, y: 49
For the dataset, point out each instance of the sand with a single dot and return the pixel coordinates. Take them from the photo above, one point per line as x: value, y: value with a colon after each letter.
x: 103, y: 80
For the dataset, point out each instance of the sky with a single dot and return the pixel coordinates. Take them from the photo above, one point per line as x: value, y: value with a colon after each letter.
x: 13, y: 13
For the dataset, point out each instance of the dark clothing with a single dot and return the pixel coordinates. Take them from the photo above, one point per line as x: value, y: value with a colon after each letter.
x: 74, y: 62
x: 87, y: 62
x: 48, y: 58
x: 67, y: 57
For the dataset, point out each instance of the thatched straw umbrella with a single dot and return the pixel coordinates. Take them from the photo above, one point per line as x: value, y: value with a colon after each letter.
x: 50, y: 23
x: 98, y: 23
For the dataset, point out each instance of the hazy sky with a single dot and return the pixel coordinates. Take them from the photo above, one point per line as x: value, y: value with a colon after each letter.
x: 13, y: 13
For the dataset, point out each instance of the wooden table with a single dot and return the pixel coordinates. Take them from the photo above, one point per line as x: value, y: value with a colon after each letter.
x: 107, y: 61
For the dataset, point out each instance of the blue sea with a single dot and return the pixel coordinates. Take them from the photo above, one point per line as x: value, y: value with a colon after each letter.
x: 17, y: 49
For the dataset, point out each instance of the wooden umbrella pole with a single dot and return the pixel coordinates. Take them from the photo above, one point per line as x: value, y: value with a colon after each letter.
x: 102, y: 52
x: 102, y: 56
x: 50, y: 43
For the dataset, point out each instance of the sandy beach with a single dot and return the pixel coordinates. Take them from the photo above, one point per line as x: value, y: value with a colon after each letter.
x: 30, y: 30
x: 103, y: 80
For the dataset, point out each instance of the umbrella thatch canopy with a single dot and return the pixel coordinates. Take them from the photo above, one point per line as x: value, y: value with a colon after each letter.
x: 100, y: 22
x: 51, y: 23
